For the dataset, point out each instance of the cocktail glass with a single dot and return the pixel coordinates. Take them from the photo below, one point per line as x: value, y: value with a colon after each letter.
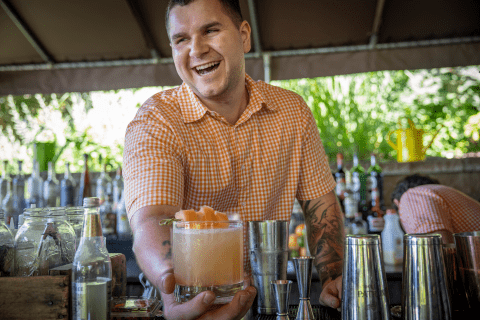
x: 208, y: 256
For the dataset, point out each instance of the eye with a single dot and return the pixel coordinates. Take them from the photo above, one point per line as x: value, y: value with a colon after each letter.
x: 211, y: 31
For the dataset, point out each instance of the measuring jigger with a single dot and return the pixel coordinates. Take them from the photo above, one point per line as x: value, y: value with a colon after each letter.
x: 303, y: 269
x: 364, y: 286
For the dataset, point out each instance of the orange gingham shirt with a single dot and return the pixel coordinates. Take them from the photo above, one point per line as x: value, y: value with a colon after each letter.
x: 179, y: 153
x: 430, y: 208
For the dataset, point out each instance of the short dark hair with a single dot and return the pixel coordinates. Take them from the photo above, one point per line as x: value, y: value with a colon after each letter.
x: 231, y: 7
x: 409, y: 182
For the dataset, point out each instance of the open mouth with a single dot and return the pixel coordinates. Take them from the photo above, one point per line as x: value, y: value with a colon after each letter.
x: 207, y: 68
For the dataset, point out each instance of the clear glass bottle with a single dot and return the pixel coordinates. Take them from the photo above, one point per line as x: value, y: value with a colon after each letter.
x: 392, y: 239
x: 340, y: 180
x: 75, y: 217
x: 8, y: 205
x: 4, y: 180
x: 51, y: 188
x: 104, y: 185
x: 84, y: 189
x: 19, y: 187
x: 7, y: 249
x: 92, y: 269
x: 45, y: 240
x: 351, y: 203
x: 359, y: 184
x: 67, y: 188
x: 35, y: 187
x: 359, y: 226
x: 123, y: 225
x: 108, y: 217
x: 117, y: 184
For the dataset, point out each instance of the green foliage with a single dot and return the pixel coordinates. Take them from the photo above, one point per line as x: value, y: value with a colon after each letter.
x: 356, y: 113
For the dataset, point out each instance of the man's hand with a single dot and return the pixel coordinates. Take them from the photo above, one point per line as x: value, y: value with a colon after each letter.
x: 331, y: 295
x: 200, y: 307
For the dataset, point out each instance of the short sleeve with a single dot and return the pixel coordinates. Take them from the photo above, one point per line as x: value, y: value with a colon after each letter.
x: 423, y: 211
x: 153, y: 171
x: 316, y: 178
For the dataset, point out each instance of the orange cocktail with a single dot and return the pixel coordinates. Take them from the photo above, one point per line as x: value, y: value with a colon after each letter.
x: 208, y: 255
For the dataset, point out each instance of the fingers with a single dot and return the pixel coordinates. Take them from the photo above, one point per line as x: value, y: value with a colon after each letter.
x: 188, y: 310
x: 236, y: 309
x: 331, y: 294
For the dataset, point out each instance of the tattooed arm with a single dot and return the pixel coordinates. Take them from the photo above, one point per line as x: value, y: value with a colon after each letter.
x: 325, y: 234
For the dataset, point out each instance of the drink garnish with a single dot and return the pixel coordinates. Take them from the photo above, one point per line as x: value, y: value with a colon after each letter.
x: 168, y: 222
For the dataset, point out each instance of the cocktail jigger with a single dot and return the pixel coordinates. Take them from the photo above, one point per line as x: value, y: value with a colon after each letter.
x: 281, y: 289
x: 303, y: 269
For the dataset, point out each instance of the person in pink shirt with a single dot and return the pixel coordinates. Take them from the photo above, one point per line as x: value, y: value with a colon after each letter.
x: 425, y: 206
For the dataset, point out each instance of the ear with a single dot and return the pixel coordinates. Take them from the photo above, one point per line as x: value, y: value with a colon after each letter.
x: 397, y: 203
x: 245, y: 32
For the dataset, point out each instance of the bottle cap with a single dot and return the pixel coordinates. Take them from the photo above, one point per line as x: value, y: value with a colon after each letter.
x: 391, y: 211
x: 91, y: 202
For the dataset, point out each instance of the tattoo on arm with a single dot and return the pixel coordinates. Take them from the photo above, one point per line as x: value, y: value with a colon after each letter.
x: 167, y: 244
x: 324, y: 222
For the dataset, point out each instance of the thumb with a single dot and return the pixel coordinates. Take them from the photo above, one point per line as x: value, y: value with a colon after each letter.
x: 167, y: 283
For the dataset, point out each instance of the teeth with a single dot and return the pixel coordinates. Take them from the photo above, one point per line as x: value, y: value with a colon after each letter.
x: 205, y: 66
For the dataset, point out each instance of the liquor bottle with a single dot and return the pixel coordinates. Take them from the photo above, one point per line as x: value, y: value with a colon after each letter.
x: 340, y: 180
x: 375, y: 186
x: 19, y: 186
x: 91, y: 268
x: 351, y: 204
x: 359, y: 185
x: 51, y: 188
x: 123, y: 226
x: 359, y: 226
x: 117, y: 184
x: 8, y: 205
x: 84, y: 190
x: 34, y: 187
x: 67, y: 188
x: 104, y: 184
x: 108, y: 217
x: 4, y: 180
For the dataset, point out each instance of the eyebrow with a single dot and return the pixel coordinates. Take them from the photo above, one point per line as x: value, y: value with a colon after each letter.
x: 205, y: 26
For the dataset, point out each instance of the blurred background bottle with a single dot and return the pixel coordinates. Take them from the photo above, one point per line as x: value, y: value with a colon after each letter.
x: 375, y: 177
x: 67, y: 188
x: 117, y: 184
x: 108, y: 217
x: 84, y: 189
x: 8, y: 205
x: 123, y: 225
x: 92, y: 269
x: 340, y: 180
x: 51, y: 188
x: 7, y: 251
x: 19, y: 194
x: 392, y: 239
x: 4, y: 181
x: 351, y: 204
x: 104, y: 184
x: 359, y: 226
x: 359, y: 185
x: 35, y: 187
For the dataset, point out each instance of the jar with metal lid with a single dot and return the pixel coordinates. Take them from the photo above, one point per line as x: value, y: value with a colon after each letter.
x: 6, y: 249
x: 45, y: 240
x: 75, y: 218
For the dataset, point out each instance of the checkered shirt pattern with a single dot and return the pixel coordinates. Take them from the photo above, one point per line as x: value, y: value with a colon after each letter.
x: 179, y: 153
x: 431, y: 208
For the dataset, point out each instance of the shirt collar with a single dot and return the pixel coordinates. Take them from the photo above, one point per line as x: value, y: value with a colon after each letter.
x: 193, y: 109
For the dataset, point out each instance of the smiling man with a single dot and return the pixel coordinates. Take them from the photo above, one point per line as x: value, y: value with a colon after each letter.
x: 221, y: 139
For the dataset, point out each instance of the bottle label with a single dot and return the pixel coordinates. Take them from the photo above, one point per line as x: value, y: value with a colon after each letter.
x: 376, y: 224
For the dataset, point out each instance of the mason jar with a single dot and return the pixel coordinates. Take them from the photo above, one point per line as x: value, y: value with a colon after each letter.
x: 75, y: 218
x: 45, y: 240
x: 7, y: 250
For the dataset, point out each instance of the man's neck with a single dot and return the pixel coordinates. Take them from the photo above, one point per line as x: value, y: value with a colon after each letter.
x: 231, y: 107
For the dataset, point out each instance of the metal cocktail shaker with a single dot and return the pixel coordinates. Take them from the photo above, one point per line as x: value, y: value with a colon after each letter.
x: 424, y: 287
x: 468, y: 256
x: 268, y: 247
x: 364, y: 287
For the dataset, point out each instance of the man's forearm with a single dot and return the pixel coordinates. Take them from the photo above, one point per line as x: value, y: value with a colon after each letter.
x: 325, y: 235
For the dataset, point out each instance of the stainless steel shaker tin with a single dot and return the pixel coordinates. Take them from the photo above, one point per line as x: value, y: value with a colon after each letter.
x: 364, y: 288
x: 268, y: 248
x: 424, y: 287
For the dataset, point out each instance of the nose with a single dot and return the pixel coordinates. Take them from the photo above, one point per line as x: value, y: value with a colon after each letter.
x: 198, y: 46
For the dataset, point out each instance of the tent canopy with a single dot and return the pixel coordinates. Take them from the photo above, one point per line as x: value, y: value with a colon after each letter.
x: 85, y: 45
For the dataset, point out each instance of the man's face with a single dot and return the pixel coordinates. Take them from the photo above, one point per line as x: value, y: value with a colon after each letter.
x: 208, y: 49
